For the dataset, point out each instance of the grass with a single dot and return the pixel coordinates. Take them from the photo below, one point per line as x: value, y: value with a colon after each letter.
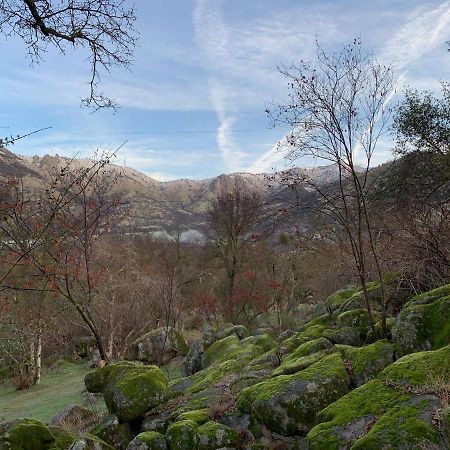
x: 59, y: 387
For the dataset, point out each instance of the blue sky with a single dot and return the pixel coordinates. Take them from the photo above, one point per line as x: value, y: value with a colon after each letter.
x: 193, y: 104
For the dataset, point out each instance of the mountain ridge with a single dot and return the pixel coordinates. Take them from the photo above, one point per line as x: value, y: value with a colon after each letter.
x: 162, y: 205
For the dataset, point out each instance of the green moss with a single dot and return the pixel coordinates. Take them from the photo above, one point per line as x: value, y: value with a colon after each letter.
x: 129, y: 389
x: 423, y: 326
x: 311, y: 347
x: 309, y: 334
x: 63, y: 439
x: 199, y: 416
x: 180, y: 343
x: 288, y: 404
x: 345, y: 336
x: 367, y: 362
x: 213, y: 435
x: 240, y: 331
x: 231, y: 348
x: 28, y: 434
x: 401, y: 427
x: 356, y: 318
x: 419, y: 369
x: 337, y: 420
x: 211, y: 375
x: 292, y: 365
x: 335, y: 300
x: 429, y: 297
x: 267, y: 360
x: 152, y: 440
x: 264, y: 341
x: 182, y: 435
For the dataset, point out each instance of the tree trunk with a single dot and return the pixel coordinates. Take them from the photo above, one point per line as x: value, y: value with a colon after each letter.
x: 38, y: 360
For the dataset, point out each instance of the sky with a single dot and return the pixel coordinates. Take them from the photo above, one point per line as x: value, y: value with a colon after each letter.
x: 193, y: 104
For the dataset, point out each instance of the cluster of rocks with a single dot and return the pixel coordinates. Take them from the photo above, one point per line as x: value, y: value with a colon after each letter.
x: 331, y: 384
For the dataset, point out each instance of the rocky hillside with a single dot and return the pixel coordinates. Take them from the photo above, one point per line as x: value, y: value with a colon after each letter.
x: 157, y: 206
x: 331, y: 384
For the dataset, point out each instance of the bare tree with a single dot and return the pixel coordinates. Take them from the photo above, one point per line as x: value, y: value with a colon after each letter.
x: 105, y: 28
x: 233, y: 217
x: 337, y: 111
x: 53, y: 238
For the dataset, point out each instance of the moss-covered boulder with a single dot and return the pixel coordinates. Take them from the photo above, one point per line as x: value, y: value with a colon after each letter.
x: 110, y: 430
x: 424, y: 324
x: 293, y: 365
x: 159, y: 346
x: 357, y: 319
x: 156, y: 421
x: 307, y: 334
x: 199, y: 416
x: 213, y: 435
x: 407, y: 425
x: 420, y: 369
x: 182, y: 435
x: 27, y: 434
x: 343, y: 424
x: 240, y: 331
x: 231, y: 348
x: 263, y: 341
x: 288, y: 404
x: 336, y: 300
x: 213, y: 374
x: 150, y: 440
x: 399, y: 410
x: 344, y: 336
x: 367, y: 362
x: 129, y: 389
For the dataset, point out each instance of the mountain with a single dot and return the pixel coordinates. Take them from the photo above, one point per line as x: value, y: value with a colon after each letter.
x: 157, y: 206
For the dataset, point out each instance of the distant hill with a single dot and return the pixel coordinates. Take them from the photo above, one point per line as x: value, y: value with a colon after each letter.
x: 157, y: 206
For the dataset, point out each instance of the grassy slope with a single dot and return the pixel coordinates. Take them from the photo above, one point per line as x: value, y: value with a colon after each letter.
x: 58, y: 388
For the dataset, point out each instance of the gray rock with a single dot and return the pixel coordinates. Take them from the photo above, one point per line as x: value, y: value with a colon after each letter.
x: 116, y: 434
x: 159, y: 346
x: 75, y: 418
x: 195, y: 359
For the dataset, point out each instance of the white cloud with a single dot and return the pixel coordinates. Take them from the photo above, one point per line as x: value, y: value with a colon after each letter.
x: 423, y: 31
x: 246, y: 55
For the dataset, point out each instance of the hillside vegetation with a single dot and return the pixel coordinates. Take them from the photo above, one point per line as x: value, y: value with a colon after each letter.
x: 330, y: 384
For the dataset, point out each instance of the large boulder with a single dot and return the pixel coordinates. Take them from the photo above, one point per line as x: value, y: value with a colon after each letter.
x: 27, y: 434
x: 419, y: 369
x: 367, y: 362
x: 288, y: 404
x: 358, y: 320
x: 182, y: 435
x: 150, y: 440
x: 129, y: 389
x: 159, y: 346
x: 396, y: 411
x: 213, y: 435
x: 75, y: 418
x: 240, y: 331
x: 424, y: 323
x: 117, y: 435
x: 195, y: 358
x: 304, y: 356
